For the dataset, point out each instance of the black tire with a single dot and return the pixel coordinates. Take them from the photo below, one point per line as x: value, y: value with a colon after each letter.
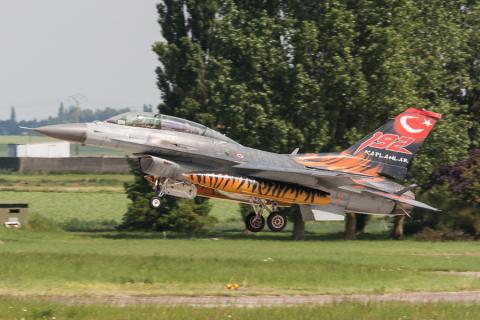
x: 155, y: 202
x: 254, y: 223
x: 276, y: 221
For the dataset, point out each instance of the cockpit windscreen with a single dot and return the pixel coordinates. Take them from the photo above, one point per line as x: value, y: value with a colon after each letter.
x: 160, y: 121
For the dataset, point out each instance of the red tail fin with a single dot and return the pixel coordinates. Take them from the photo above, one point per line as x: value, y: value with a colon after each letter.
x: 395, y: 143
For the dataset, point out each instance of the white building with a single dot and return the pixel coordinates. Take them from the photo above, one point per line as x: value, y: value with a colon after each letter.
x: 40, y: 150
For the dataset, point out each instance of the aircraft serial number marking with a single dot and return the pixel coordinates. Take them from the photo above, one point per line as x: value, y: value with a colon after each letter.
x: 388, y: 141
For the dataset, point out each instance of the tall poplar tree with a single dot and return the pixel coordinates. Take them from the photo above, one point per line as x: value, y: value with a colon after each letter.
x: 278, y: 74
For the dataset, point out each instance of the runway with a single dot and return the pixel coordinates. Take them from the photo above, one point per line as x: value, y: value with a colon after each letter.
x: 258, y: 301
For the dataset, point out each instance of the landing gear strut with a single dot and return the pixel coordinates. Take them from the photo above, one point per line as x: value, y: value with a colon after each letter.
x: 255, y: 222
x: 156, y: 201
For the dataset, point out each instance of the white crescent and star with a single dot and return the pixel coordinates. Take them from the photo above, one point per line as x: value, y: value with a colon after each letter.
x: 408, y: 128
x: 427, y: 123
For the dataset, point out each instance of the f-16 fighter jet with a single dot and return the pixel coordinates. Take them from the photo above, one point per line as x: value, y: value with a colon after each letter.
x: 185, y: 159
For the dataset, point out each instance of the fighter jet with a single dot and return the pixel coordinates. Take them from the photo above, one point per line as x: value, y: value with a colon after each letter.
x: 186, y: 159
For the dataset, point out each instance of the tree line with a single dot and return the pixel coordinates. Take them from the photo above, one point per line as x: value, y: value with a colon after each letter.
x: 319, y: 75
x: 64, y: 115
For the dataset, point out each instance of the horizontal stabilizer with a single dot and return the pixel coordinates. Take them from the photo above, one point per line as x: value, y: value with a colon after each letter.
x: 406, y: 189
x: 401, y: 199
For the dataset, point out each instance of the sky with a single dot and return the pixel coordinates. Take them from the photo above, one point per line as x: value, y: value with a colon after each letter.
x: 97, y: 49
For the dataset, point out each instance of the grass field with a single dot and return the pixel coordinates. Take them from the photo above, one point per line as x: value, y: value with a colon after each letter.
x: 18, y: 309
x: 87, y: 197
x: 95, y: 197
x: 143, y: 263
x: 99, y: 263
x: 63, y: 206
x: 64, y: 182
x: 83, y: 150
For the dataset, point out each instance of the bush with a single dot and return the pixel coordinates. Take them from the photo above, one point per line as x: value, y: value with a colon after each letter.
x: 429, y: 234
x: 76, y: 224
x: 38, y: 222
x: 181, y: 215
x: 439, y: 197
x: 457, y: 194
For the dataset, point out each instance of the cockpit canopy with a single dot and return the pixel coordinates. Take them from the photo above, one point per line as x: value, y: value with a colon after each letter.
x: 164, y: 122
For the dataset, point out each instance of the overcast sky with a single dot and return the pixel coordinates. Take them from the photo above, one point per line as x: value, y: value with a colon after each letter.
x: 51, y: 49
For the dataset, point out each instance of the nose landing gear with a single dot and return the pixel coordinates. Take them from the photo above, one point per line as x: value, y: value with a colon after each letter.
x: 255, y: 222
x: 156, y: 201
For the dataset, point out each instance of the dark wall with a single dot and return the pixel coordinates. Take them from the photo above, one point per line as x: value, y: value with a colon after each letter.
x: 74, y: 164
x: 11, y: 164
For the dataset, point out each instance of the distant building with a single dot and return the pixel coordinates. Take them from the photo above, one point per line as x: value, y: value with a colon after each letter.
x: 40, y: 150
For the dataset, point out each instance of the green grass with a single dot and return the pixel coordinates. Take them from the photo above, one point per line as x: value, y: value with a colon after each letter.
x: 21, y: 309
x: 94, y: 206
x: 84, y: 196
x: 63, y: 206
x: 141, y: 263
x: 65, y: 178
x: 86, y: 205
x: 34, y: 262
x: 64, y: 182
x: 225, y: 211
x: 63, y: 197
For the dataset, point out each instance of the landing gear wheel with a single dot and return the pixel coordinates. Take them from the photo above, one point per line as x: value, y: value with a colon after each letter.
x: 254, y: 223
x: 155, y: 202
x: 276, y: 221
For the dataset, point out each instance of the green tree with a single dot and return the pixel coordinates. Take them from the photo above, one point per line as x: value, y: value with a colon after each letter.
x: 181, y: 86
x: 470, y: 92
x: 280, y: 74
x: 176, y: 215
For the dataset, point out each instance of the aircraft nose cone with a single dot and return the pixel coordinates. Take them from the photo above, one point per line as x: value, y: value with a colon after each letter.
x: 76, y: 132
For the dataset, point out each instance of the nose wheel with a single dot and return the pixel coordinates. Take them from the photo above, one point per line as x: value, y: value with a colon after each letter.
x: 155, y: 202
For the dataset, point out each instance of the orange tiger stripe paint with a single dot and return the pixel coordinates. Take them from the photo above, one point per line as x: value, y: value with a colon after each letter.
x: 212, y: 193
x: 270, y: 190
x: 341, y: 162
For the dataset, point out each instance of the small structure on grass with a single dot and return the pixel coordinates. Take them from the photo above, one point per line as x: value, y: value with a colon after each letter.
x: 13, y: 215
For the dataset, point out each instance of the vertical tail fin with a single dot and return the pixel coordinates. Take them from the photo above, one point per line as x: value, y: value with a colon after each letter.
x: 393, y: 145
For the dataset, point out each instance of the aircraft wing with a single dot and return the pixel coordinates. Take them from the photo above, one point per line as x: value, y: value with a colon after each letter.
x: 308, y: 177
x: 174, y: 155
x: 315, y: 178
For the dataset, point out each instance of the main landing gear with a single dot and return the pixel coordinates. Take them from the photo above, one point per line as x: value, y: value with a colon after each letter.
x: 255, y: 222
